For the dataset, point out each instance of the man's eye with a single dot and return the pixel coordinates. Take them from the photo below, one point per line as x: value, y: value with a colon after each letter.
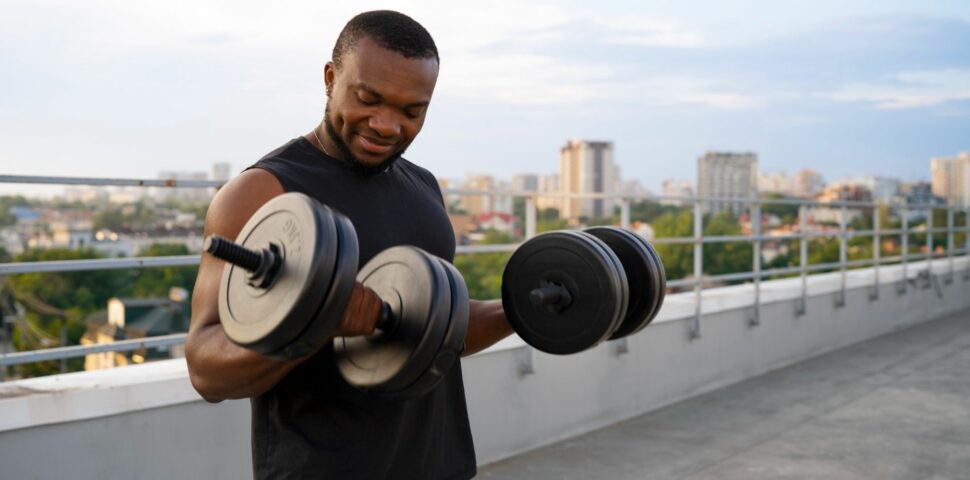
x: 367, y: 100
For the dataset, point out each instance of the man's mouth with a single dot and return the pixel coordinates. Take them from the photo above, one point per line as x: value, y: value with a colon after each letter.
x: 374, y: 146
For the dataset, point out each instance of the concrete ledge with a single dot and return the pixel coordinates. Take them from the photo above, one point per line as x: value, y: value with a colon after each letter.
x: 510, y: 411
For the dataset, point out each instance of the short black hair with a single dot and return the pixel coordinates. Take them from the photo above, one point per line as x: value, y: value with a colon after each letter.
x: 392, y: 30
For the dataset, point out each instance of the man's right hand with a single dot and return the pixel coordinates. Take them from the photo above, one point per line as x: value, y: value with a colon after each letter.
x: 362, y: 313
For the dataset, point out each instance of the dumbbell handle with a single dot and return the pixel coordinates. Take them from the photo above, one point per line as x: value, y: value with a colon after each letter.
x: 550, y: 295
x: 386, y: 321
x: 262, y: 264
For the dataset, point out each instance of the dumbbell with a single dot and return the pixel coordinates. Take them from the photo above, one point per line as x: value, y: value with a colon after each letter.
x: 567, y: 291
x: 290, y: 273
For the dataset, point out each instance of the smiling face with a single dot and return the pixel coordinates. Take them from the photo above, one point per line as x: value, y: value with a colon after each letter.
x: 377, y: 101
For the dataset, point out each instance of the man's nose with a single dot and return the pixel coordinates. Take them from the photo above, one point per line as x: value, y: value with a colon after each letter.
x: 385, y: 124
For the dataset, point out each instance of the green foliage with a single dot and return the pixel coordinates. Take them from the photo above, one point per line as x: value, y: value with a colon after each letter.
x: 108, y: 219
x: 63, y: 300
x: 549, y: 225
x: 483, y: 273
x: 728, y: 257
x: 140, y: 215
x: 649, y: 210
x: 597, y: 221
x: 678, y: 260
x: 719, y: 258
x: 788, y: 213
x: 156, y: 282
x: 547, y: 214
x: 85, y: 290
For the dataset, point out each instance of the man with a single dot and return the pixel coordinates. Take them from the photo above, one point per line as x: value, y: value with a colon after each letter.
x: 307, y: 422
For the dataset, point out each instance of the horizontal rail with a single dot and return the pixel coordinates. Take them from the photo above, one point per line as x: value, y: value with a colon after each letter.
x: 74, y: 351
x: 97, y: 264
x: 112, y: 182
x: 499, y: 247
x: 746, y: 200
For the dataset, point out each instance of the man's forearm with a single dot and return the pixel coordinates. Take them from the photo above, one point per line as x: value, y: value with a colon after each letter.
x: 486, y: 325
x: 222, y: 370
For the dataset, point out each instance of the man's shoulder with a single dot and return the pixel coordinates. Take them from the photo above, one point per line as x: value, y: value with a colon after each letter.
x: 290, y: 149
x: 417, y: 170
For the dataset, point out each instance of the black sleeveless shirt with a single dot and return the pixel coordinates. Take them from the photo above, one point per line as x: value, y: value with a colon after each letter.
x: 312, y: 424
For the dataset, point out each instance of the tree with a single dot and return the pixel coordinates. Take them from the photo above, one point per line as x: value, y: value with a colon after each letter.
x: 719, y: 258
x: 788, y: 213
x: 156, y: 282
x: 678, y: 260
x: 726, y: 257
x: 649, y: 210
x: 483, y: 271
x: 57, y: 301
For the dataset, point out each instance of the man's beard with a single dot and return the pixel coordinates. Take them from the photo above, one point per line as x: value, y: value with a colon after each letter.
x: 356, y: 165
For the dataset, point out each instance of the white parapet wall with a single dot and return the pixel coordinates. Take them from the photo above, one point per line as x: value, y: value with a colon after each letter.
x: 146, y: 421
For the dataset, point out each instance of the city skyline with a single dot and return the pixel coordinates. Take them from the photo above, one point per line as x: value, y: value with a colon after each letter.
x: 871, y: 87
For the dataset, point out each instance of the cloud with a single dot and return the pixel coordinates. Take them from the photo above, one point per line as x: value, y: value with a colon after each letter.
x: 502, y: 51
x: 646, y: 31
x: 912, y: 89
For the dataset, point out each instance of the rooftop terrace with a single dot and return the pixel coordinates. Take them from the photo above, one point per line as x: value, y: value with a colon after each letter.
x: 890, y: 408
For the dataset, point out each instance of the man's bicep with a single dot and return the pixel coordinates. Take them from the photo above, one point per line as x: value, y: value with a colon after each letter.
x: 228, y: 212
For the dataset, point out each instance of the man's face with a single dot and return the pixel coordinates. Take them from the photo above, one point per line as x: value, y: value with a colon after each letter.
x: 377, y: 102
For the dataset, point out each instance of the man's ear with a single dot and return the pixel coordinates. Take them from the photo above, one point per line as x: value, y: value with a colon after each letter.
x: 329, y: 74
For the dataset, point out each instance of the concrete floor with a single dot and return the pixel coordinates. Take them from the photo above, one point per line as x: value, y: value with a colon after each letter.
x: 896, y: 407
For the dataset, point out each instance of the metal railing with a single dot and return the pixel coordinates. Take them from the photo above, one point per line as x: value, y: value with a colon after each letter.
x: 696, y: 280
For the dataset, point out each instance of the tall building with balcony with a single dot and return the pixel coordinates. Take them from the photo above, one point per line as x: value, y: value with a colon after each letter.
x: 727, y: 175
x: 477, y: 204
x: 807, y: 183
x: 951, y: 178
x: 548, y: 188
x: 883, y: 189
x: 676, y: 188
x: 493, y: 202
x: 776, y: 183
x: 587, y: 167
x: 525, y: 182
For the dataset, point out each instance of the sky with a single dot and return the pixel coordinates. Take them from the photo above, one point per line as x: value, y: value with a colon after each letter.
x: 129, y: 88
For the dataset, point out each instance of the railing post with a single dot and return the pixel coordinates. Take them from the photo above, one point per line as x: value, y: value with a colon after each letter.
x: 695, y: 328
x: 949, y: 244
x: 843, y: 257
x: 929, y: 246
x: 625, y: 213
x: 530, y: 217
x: 966, y: 244
x: 876, y: 252
x: 3, y: 345
x: 905, y: 253
x: 756, y: 262
x: 800, y: 306
x: 63, y: 344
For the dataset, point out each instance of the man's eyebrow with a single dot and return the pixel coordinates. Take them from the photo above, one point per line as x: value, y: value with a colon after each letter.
x: 367, y: 88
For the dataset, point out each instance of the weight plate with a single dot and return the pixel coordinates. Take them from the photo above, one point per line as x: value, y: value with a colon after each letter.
x: 662, y: 275
x: 416, y: 288
x: 266, y: 320
x: 623, y: 289
x: 449, y: 353
x: 335, y: 300
x: 571, y: 260
x: 641, y: 275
